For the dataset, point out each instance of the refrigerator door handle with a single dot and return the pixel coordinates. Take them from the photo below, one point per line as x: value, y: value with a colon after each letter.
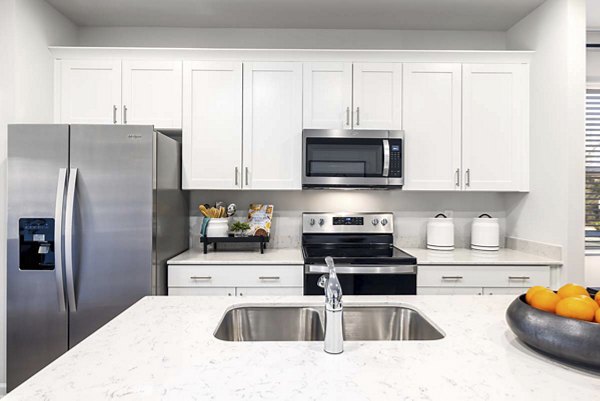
x: 69, y: 221
x: 58, y: 232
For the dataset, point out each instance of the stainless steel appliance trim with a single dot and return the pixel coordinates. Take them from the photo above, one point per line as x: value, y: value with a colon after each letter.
x: 114, y: 114
x: 69, y: 221
x: 386, y: 158
x: 328, y: 227
x: 349, y: 133
x: 362, y: 269
x: 58, y: 230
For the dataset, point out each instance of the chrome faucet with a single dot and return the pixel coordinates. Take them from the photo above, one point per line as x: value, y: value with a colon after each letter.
x: 334, y: 310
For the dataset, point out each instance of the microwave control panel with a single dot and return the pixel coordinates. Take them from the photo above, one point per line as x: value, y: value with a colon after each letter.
x: 395, y: 158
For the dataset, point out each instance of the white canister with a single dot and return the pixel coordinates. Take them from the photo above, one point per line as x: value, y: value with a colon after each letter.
x: 485, y: 233
x: 440, y: 233
x: 218, y: 227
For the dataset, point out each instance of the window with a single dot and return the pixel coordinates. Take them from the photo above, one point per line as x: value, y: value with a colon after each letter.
x: 592, y: 171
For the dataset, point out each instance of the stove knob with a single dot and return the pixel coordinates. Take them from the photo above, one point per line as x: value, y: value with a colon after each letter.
x: 311, y: 222
x: 321, y: 222
x: 384, y: 222
x: 375, y: 222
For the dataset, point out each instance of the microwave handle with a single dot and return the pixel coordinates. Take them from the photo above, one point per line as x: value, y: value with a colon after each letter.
x: 386, y: 158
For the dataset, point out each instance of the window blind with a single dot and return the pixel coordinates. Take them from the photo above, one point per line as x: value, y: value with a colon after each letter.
x: 592, y: 170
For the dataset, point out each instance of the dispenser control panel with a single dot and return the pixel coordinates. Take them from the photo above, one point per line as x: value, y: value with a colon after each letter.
x: 36, y: 243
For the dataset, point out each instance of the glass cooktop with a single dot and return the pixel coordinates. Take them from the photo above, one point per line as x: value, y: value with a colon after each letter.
x: 357, y: 254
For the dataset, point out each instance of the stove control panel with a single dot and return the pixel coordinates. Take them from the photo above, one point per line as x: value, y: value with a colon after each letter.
x: 350, y: 223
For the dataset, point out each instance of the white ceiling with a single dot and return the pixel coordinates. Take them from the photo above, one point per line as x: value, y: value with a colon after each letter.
x: 489, y: 15
x: 593, y: 14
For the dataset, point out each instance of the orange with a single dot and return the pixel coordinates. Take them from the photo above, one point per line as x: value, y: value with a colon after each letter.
x: 545, y: 300
x: 590, y: 301
x: 575, y: 308
x: 532, y: 291
x: 597, y: 297
x: 597, y: 316
x: 571, y: 290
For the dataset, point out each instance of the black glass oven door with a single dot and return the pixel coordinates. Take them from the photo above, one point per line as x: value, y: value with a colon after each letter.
x: 366, y: 284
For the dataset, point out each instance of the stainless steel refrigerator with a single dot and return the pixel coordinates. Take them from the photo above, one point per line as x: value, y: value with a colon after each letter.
x: 94, y: 212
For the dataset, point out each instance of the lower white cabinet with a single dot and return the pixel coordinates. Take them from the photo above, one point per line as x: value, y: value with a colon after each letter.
x: 233, y: 280
x: 480, y: 280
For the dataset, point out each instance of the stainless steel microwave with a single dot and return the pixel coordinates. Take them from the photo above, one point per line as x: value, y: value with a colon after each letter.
x: 352, y: 158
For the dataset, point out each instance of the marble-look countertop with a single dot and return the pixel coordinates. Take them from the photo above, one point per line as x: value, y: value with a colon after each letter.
x: 462, y: 256
x: 292, y: 256
x: 272, y: 256
x: 163, y: 348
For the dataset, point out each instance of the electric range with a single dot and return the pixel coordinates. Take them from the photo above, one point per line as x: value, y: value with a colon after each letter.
x: 362, y: 247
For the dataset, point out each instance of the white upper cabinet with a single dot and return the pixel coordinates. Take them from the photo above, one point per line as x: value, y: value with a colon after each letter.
x: 212, y: 125
x: 89, y: 92
x: 377, y: 96
x: 152, y: 93
x: 432, y: 125
x: 328, y: 95
x: 272, y: 125
x: 495, y: 127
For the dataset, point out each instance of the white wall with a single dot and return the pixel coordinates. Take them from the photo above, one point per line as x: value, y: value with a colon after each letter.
x: 291, y: 38
x: 553, y: 211
x: 27, y: 28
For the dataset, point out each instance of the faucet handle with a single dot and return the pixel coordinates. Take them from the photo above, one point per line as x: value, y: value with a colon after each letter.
x: 329, y: 262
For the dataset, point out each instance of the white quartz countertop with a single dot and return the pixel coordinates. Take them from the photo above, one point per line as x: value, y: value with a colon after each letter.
x: 275, y: 256
x: 461, y: 256
x: 424, y: 257
x: 163, y: 348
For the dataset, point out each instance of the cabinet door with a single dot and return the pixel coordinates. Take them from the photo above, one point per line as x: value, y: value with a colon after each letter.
x: 215, y: 291
x: 90, y: 92
x: 432, y: 126
x: 504, y: 290
x: 449, y: 291
x: 268, y: 291
x: 212, y: 125
x: 327, y: 95
x: 377, y: 96
x: 495, y: 126
x: 272, y: 125
x: 152, y: 93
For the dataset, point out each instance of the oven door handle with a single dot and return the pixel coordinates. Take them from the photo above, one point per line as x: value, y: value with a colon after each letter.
x: 386, y: 158
x: 362, y: 269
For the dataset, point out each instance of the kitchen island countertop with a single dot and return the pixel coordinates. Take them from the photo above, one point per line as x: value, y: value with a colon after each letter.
x: 163, y: 348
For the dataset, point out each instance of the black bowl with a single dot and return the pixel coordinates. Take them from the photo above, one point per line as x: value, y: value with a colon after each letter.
x: 570, y: 340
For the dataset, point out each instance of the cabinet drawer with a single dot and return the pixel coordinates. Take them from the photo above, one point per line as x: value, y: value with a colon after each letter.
x: 504, y: 291
x: 483, y: 276
x: 250, y: 291
x: 222, y: 291
x: 235, y: 276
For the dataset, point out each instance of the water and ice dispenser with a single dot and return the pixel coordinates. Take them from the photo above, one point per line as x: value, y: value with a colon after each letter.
x: 36, y: 244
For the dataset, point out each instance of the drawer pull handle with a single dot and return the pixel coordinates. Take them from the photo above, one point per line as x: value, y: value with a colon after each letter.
x: 519, y: 277
x: 452, y: 277
x: 201, y: 278
x: 269, y: 278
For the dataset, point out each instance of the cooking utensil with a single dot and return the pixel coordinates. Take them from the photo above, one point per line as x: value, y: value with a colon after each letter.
x: 231, y: 209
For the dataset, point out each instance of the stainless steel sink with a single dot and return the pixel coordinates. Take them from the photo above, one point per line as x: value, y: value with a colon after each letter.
x: 305, y: 323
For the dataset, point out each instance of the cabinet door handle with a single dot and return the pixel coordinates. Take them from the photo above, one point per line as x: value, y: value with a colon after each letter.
x: 347, y: 116
x: 246, y: 176
x: 269, y: 278
x: 457, y: 174
x: 452, y: 277
x: 357, y: 116
x: 237, y: 173
x: 124, y: 114
x: 114, y: 114
x: 519, y: 277
x: 468, y: 177
x: 201, y: 278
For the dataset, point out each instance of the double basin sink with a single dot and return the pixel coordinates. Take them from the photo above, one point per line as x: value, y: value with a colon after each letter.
x: 306, y: 323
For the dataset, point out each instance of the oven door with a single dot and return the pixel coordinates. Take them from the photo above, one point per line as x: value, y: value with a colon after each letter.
x: 365, y: 279
x: 342, y: 158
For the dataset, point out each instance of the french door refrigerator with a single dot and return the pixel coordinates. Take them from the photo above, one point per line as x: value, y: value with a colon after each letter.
x: 94, y: 212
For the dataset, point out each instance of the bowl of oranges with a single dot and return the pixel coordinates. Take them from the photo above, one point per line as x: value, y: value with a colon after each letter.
x: 564, y: 323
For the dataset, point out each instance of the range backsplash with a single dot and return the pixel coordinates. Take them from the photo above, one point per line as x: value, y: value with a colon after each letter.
x: 411, y: 211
